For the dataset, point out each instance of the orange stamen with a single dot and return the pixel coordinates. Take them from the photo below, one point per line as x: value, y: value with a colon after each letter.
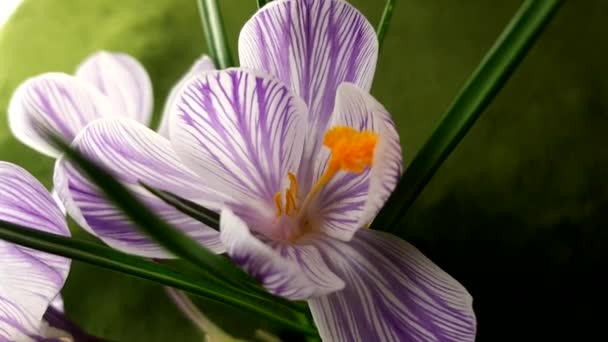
x: 278, y: 202
x: 293, y: 184
x: 290, y: 202
x: 351, y: 151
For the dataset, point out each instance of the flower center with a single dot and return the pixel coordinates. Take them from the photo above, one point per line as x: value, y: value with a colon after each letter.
x: 351, y: 151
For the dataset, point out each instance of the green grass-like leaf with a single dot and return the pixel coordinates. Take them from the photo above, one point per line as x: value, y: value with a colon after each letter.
x: 385, y: 21
x: 261, y: 3
x: 215, y: 34
x: 105, y: 257
x: 197, y: 212
x: 485, y: 83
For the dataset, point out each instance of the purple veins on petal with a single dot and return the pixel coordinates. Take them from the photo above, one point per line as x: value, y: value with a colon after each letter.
x: 30, y: 279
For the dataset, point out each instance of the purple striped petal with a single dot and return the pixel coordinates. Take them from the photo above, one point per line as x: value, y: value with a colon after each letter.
x: 351, y: 201
x: 313, y: 46
x: 123, y: 80
x: 54, y: 102
x: 30, y: 279
x: 241, y: 131
x: 392, y: 293
x: 133, y: 153
x: 294, y: 272
x: 200, y: 67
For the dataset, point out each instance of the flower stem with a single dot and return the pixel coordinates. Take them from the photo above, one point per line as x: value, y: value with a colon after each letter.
x: 485, y: 83
x: 215, y: 35
x: 385, y: 21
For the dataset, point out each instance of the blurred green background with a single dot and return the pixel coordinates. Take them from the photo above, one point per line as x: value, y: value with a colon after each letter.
x: 517, y: 213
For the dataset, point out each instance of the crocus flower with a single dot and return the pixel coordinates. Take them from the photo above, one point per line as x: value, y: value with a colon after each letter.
x: 105, y: 84
x: 30, y: 280
x: 303, y: 157
x: 201, y: 66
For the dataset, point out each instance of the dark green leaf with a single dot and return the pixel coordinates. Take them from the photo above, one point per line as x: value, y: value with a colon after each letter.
x: 261, y: 3
x: 478, y: 92
x: 136, y: 266
x: 213, y: 28
x: 197, y: 212
x: 385, y: 21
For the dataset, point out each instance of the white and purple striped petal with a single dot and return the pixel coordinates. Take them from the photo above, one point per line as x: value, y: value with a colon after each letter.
x: 392, y: 293
x: 134, y: 154
x: 351, y: 201
x: 123, y: 80
x: 313, y: 46
x: 30, y: 279
x: 294, y: 272
x: 199, y: 68
x: 56, y: 103
x: 243, y: 131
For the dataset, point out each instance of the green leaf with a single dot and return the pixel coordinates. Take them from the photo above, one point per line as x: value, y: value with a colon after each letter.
x: 485, y: 83
x: 105, y: 257
x: 261, y: 3
x: 197, y: 212
x: 215, y: 34
x: 385, y: 21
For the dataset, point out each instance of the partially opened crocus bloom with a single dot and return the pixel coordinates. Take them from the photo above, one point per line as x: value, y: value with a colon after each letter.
x: 105, y: 84
x: 299, y: 158
x: 30, y: 280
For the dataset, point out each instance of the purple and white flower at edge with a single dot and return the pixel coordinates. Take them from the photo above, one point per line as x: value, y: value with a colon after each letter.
x: 30, y: 280
x: 304, y: 158
x: 201, y: 66
x: 105, y: 84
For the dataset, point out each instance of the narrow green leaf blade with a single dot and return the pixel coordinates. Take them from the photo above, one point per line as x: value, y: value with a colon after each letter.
x: 385, y: 21
x: 215, y: 34
x: 108, y: 258
x: 197, y: 212
x: 491, y: 75
x: 261, y: 3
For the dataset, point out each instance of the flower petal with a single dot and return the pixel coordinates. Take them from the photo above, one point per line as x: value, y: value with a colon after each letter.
x: 123, y: 80
x: 313, y: 46
x: 393, y: 293
x: 294, y: 272
x: 30, y: 279
x: 200, y: 67
x: 243, y: 131
x: 351, y: 201
x: 133, y: 153
x: 55, y: 102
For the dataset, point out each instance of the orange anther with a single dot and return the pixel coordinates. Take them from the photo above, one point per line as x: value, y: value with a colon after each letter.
x: 278, y: 202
